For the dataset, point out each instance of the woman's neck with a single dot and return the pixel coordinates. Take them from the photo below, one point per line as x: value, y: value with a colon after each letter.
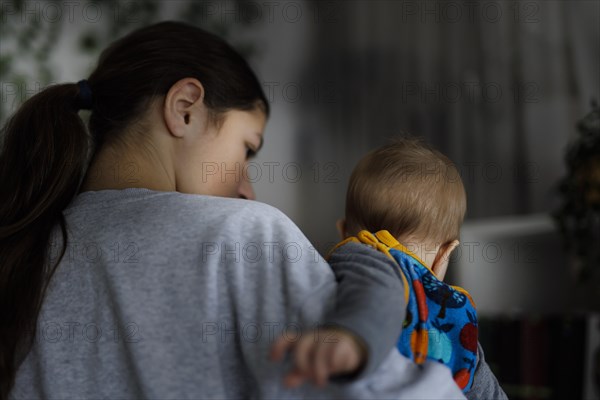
x: 113, y: 169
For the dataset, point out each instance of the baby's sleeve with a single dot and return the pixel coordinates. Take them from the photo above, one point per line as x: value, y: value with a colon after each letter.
x: 485, y: 384
x: 369, y: 301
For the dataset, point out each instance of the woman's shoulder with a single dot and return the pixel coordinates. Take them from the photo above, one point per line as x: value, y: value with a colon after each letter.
x: 145, y: 199
x: 148, y: 208
x: 250, y: 211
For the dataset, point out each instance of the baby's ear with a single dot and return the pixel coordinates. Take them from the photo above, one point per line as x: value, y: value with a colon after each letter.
x: 341, y: 228
x: 440, y: 264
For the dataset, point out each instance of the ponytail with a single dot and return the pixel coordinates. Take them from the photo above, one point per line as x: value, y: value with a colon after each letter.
x: 44, y: 155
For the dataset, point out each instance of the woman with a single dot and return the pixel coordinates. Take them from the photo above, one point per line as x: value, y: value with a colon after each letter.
x: 142, y: 275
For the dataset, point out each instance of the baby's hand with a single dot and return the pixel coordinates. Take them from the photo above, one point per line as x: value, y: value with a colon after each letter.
x: 320, y: 353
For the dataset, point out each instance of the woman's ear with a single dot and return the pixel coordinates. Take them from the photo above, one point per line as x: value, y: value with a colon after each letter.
x: 440, y: 264
x: 341, y: 228
x: 184, y: 108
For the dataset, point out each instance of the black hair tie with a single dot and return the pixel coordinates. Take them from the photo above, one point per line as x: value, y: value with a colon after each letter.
x: 84, y: 98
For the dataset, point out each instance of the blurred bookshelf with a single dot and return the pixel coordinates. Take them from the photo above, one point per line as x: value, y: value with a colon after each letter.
x: 544, y: 357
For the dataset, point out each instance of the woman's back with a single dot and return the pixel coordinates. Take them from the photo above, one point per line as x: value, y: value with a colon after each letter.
x: 170, y: 295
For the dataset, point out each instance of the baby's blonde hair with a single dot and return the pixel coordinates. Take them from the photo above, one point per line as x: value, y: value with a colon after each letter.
x: 407, y: 188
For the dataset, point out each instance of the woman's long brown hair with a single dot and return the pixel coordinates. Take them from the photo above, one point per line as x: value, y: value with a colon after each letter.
x: 46, y: 149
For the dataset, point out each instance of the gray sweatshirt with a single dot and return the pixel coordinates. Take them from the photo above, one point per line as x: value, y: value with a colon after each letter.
x: 165, y: 295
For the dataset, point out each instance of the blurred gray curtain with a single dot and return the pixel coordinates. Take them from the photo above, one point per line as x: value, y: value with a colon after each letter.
x: 498, y: 90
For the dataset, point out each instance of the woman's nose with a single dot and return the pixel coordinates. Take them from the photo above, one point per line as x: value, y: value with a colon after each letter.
x: 245, y: 191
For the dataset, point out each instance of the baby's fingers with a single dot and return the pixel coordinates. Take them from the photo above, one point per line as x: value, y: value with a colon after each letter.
x: 294, y: 379
x: 279, y: 348
x: 322, y: 363
x: 303, y: 353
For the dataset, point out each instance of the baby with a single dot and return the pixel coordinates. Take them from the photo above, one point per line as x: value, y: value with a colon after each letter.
x: 407, y: 201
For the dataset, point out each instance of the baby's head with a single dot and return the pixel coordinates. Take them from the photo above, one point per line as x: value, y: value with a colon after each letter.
x: 415, y: 193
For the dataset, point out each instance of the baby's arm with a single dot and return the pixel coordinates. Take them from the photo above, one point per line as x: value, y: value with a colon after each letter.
x: 369, y: 301
x: 364, y: 326
x: 485, y: 384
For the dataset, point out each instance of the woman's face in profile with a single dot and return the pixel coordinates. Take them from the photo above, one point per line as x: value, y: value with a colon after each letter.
x: 220, y: 168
